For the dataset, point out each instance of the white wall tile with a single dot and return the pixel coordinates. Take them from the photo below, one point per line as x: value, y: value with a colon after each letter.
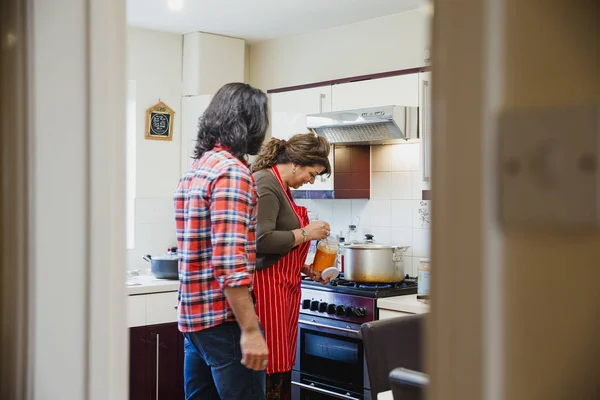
x: 381, y: 234
x: 342, y: 214
x: 151, y: 210
x: 324, y: 209
x: 375, y: 213
x: 401, y: 157
x: 400, y: 213
x: 155, y: 238
x: 401, y: 185
x: 304, y: 202
x: 415, y: 156
x: 421, y: 242
x: 421, y: 214
x: 402, y: 237
x: 358, y: 207
x: 381, y: 158
x: 381, y: 185
x: 417, y: 185
x: 416, y: 262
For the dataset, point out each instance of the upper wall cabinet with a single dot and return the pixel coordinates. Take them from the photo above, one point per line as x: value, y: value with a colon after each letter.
x: 402, y: 90
x: 192, y: 107
x: 288, y: 117
x: 210, y: 61
x: 425, y: 123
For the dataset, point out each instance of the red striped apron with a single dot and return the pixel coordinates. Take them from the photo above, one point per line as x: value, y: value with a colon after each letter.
x: 277, y: 291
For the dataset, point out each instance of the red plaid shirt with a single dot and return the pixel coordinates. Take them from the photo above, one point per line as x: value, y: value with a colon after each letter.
x: 215, y: 215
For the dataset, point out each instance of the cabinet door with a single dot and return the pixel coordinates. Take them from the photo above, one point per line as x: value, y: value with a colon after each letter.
x: 425, y: 123
x: 402, y: 90
x: 138, y: 382
x: 164, y: 364
x: 288, y: 117
x: 192, y: 108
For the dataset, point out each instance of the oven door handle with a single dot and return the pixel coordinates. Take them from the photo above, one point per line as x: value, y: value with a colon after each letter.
x: 333, y: 328
x: 324, y: 391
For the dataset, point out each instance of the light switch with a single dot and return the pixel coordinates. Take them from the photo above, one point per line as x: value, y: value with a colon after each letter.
x: 548, y: 168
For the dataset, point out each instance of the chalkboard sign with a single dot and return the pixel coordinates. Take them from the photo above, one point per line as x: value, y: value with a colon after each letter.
x: 159, y: 122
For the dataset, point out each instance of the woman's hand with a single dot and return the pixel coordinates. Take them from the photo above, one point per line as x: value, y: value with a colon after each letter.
x: 314, y: 275
x: 317, y: 230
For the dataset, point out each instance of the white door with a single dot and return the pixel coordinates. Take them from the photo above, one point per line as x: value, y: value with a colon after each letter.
x: 402, y: 90
x: 288, y: 117
x: 192, y: 107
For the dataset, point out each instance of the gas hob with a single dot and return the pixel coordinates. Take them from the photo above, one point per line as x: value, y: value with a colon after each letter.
x: 371, y: 290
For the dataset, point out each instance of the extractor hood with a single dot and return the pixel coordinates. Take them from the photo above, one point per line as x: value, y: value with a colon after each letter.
x: 374, y: 125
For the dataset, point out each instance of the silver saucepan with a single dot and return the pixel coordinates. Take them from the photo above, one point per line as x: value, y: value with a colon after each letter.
x: 374, y: 263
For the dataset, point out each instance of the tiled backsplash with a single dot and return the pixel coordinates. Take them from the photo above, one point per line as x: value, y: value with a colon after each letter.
x: 395, y: 214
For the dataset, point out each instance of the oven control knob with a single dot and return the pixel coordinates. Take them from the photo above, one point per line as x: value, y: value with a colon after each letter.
x: 340, y: 310
x: 322, y: 306
x: 314, y: 305
x: 306, y: 304
x: 349, y: 311
x: 360, y: 312
x: 331, y: 309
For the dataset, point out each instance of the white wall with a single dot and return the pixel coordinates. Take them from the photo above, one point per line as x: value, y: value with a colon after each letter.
x: 154, y: 61
x: 381, y: 44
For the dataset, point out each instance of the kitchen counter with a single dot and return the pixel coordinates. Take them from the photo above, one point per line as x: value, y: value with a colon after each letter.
x: 385, y: 395
x: 406, y: 304
x: 146, y: 284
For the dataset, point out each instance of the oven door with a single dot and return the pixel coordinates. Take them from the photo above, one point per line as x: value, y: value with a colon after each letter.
x: 330, y: 355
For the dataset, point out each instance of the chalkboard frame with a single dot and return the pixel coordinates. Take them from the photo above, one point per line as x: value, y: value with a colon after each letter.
x: 154, y: 111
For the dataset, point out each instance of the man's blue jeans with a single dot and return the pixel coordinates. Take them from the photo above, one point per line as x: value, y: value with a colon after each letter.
x: 212, y: 368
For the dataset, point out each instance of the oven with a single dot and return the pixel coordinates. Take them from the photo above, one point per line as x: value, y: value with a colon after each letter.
x: 330, y: 356
x: 330, y: 361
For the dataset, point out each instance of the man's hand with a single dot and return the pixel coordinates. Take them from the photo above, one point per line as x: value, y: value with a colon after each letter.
x: 254, y: 349
x: 255, y: 354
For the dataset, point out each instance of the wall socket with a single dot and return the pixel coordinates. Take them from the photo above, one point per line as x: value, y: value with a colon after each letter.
x: 549, y: 168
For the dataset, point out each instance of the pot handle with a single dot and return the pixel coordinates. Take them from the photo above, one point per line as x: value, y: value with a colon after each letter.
x: 401, y: 248
x: 147, y: 257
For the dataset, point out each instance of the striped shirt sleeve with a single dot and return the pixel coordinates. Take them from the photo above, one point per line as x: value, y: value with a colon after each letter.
x: 233, y: 207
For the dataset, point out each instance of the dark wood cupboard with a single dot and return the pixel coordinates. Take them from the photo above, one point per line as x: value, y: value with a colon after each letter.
x: 352, y: 172
x: 156, y: 362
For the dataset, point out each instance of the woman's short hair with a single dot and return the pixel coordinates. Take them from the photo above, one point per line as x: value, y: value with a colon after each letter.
x: 304, y: 149
x: 237, y: 118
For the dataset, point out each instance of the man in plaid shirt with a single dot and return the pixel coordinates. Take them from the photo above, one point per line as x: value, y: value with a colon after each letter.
x: 215, y: 212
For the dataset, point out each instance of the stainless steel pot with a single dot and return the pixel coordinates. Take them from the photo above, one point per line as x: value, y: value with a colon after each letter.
x: 374, y: 263
x: 164, y: 267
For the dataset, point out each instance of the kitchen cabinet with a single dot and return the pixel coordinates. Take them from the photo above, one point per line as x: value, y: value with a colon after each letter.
x: 425, y: 123
x: 155, y: 347
x: 352, y: 172
x: 139, y: 388
x: 192, y: 107
x: 401, y: 90
x: 288, y: 117
x: 386, y: 314
x: 156, y: 362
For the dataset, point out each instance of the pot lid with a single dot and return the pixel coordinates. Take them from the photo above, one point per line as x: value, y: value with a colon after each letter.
x: 373, y: 246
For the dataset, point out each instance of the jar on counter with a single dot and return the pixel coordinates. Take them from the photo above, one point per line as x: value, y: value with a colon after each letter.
x: 423, y: 280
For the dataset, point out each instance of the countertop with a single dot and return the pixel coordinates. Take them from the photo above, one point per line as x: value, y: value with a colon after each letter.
x: 388, y: 395
x: 145, y: 284
x: 407, y: 304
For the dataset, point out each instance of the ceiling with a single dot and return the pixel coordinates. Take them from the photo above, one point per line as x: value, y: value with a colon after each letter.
x: 258, y: 20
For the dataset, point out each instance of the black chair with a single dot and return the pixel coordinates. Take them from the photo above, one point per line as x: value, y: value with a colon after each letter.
x: 408, y: 384
x: 392, y: 343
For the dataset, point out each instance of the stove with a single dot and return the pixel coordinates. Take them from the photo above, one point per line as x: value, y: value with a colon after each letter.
x: 372, y: 290
x: 330, y: 362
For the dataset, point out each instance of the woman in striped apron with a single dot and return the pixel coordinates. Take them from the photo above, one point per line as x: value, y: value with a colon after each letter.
x: 283, y: 238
